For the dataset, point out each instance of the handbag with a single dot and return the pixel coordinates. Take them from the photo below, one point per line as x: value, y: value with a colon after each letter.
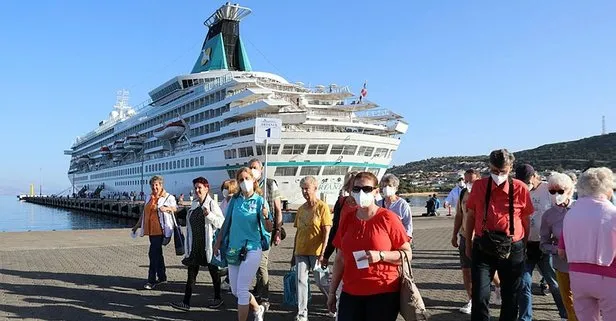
x: 412, y: 307
x: 497, y: 243
x: 178, y: 239
x: 290, y: 288
x: 265, y: 243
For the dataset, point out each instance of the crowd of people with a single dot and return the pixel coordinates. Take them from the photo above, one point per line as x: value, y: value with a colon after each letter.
x: 504, y: 227
x: 507, y: 227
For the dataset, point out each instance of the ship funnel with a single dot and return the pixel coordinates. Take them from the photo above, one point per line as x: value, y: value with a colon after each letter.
x: 223, y: 48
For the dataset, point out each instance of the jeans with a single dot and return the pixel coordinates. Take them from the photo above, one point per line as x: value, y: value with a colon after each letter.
x: 544, y: 263
x: 382, y: 307
x: 262, y: 285
x: 157, y: 261
x: 193, y: 271
x: 510, y: 273
x: 303, y: 265
x: 241, y: 276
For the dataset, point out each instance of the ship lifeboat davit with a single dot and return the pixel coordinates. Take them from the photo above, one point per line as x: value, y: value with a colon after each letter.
x: 83, y: 160
x: 133, y: 142
x: 171, y: 130
x: 105, y: 150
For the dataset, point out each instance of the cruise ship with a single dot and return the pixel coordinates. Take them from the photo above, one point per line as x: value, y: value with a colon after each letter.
x: 203, y: 124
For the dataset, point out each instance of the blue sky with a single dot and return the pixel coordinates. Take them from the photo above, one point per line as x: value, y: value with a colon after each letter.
x: 469, y: 76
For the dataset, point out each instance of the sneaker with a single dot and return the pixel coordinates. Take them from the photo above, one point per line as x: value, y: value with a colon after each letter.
x: 545, y: 289
x: 497, y: 296
x: 301, y: 317
x: 215, y: 303
x: 181, y: 306
x: 259, y: 313
x: 466, y: 309
x: 331, y: 314
x: 149, y: 285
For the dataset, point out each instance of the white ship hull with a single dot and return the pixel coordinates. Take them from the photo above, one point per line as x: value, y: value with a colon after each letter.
x: 216, y: 169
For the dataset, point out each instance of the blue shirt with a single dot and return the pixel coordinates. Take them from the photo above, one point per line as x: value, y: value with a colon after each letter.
x: 244, y: 213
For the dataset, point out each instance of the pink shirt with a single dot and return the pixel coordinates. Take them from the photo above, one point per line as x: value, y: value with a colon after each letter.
x: 589, y: 237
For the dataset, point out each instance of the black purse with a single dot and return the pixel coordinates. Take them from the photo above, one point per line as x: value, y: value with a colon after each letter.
x: 497, y: 243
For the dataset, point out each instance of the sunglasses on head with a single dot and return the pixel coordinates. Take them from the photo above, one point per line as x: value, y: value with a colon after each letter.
x: 366, y: 189
x: 559, y: 191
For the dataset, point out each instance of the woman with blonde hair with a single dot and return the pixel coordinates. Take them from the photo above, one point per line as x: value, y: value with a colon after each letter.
x: 228, y: 189
x: 243, y: 237
x: 588, y: 243
x: 157, y: 221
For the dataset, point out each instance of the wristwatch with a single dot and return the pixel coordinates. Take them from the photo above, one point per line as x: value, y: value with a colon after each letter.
x: 381, y: 255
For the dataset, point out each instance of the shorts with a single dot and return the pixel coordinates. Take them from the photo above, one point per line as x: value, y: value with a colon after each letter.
x: 465, y: 261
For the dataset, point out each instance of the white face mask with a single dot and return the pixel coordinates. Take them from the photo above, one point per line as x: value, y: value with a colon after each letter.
x: 469, y: 186
x: 389, y: 191
x: 256, y: 173
x: 225, y: 193
x: 247, y: 186
x: 461, y: 184
x: 363, y: 199
x: 559, y: 199
x: 499, y: 179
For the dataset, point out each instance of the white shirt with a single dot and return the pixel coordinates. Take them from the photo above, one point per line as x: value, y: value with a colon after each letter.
x: 542, y: 201
x: 454, y: 195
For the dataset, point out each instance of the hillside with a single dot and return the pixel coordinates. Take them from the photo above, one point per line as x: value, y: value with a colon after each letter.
x: 579, y: 154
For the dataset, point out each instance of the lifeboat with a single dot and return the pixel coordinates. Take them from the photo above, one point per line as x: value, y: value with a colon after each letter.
x: 83, y: 159
x: 133, y: 142
x: 171, y: 130
x: 118, y: 147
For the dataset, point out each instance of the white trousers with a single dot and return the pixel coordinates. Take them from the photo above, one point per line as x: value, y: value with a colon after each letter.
x: 241, y: 276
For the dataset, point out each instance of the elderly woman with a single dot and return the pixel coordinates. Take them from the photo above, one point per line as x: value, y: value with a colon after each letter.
x: 203, y: 219
x: 228, y: 188
x: 389, y: 186
x: 560, y: 187
x: 157, y: 221
x: 313, y: 221
x: 588, y: 242
x: 247, y: 226
x: 368, y: 243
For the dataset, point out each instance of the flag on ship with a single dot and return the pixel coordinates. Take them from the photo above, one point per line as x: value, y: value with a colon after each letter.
x: 364, y: 91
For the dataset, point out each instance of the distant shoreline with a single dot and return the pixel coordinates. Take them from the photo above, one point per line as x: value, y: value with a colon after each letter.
x: 423, y: 194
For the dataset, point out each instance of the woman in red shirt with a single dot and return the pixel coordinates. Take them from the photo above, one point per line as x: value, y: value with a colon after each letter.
x: 367, y: 260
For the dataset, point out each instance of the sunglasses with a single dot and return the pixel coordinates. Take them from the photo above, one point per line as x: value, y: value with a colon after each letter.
x: 559, y: 191
x: 365, y: 189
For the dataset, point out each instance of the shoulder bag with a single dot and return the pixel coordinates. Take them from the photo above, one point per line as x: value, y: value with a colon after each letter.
x: 497, y: 243
x: 412, y: 307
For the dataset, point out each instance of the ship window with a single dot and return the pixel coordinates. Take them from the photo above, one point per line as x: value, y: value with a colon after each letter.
x: 167, y: 166
x: 293, y: 149
x: 374, y: 171
x: 380, y: 152
x: 343, y: 149
x: 228, y: 154
x: 319, y: 149
x: 273, y: 149
x: 187, y: 163
x: 196, y: 161
x: 231, y: 173
x: 182, y: 163
x: 310, y: 170
x: 245, y: 151
x: 192, y: 162
x: 202, y: 160
x: 286, y: 171
x: 365, y: 151
x: 177, y: 162
x: 174, y: 164
x: 335, y: 170
x: 357, y: 169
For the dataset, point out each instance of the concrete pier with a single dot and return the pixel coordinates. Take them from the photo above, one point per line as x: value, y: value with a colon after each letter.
x: 116, y: 208
x: 99, y: 275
